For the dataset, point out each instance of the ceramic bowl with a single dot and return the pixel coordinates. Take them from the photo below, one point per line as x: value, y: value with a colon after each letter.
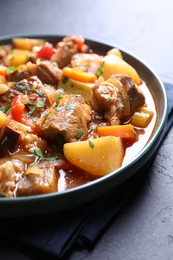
x: 41, y: 204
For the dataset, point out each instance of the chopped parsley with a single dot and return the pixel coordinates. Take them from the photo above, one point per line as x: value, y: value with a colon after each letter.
x: 70, y: 106
x: 41, y: 103
x: 57, y: 100
x: 108, y: 99
x: 134, y: 132
x: 54, y: 63
x: 23, y: 87
x: 46, y: 116
x: 40, y: 156
x: 5, y: 109
x: 37, y: 91
x: 79, y: 134
x: 27, y: 89
x: 99, y: 71
x: 34, y: 119
x: 91, y: 144
x: 11, y: 69
x: 31, y: 112
x: 64, y: 80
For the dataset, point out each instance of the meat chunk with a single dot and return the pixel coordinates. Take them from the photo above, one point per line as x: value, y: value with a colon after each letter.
x: 66, y: 49
x: 38, y: 181
x: 32, y: 88
x: 136, y: 97
x: 19, y: 75
x: 9, y: 140
x: 118, y: 98
x: 23, y: 87
x: 107, y: 100
x: 69, y: 119
x: 48, y: 73
x: 32, y: 141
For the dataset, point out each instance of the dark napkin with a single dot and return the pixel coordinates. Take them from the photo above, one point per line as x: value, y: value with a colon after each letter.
x: 55, y: 235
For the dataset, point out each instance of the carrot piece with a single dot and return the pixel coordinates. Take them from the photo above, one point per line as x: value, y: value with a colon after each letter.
x: 77, y: 75
x: 3, y: 70
x: 123, y: 131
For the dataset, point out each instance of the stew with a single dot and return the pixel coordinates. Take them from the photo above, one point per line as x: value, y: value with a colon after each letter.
x: 67, y: 115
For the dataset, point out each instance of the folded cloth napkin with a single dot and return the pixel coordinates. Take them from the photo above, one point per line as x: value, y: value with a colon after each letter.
x: 55, y: 235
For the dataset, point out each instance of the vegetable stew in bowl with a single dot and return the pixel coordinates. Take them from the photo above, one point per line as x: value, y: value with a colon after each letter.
x: 68, y: 115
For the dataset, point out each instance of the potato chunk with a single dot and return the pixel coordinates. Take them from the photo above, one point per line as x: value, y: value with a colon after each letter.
x: 112, y: 64
x: 98, y: 157
x: 27, y: 43
x: 17, y: 57
x: 76, y: 87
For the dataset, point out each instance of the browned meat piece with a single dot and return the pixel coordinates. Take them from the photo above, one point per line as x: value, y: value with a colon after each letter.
x: 136, y: 97
x: 32, y: 141
x: 32, y: 90
x: 9, y: 140
x: 23, y: 87
x: 107, y: 100
x: 66, y: 49
x: 19, y: 75
x: 69, y: 119
x: 117, y: 98
x: 38, y: 181
x: 48, y: 73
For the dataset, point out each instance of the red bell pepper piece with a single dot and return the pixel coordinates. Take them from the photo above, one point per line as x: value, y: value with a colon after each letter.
x: 46, y: 52
x: 19, y: 114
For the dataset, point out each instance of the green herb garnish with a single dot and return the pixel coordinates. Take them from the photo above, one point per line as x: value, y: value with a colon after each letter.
x: 99, y: 72
x: 23, y: 87
x: 79, y: 134
x: 11, y: 69
x: 70, y: 106
x: 57, y: 100
x: 34, y: 119
x: 91, y: 144
x: 40, y: 156
x: 37, y: 91
x: 134, y: 132
x: 64, y: 80
x: 41, y: 103
x: 5, y: 109
x: 46, y: 116
x: 108, y: 99
x: 31, y: 112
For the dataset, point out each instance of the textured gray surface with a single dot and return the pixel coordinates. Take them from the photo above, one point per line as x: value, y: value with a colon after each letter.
x: 144, y: 229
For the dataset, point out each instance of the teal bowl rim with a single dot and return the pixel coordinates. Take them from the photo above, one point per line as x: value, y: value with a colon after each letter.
x: 158, y: 132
